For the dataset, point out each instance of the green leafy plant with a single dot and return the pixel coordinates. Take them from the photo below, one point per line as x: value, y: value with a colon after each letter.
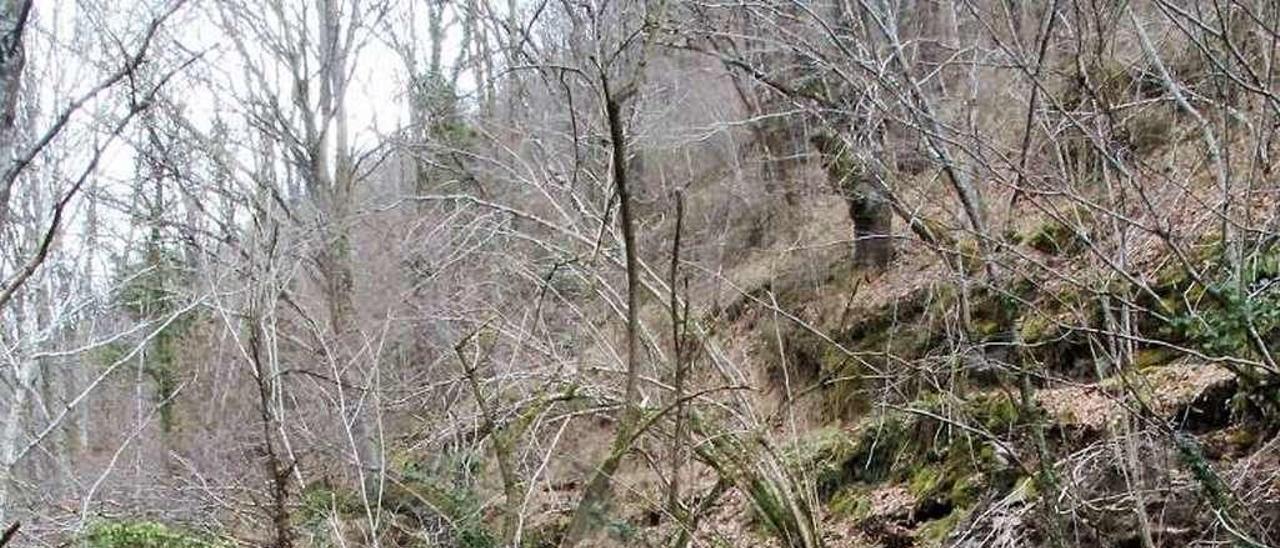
x: 145, y: 534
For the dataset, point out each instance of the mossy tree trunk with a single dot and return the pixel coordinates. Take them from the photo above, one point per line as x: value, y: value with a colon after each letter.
x: 870, y: 207
x: 872, y: 226
x: 591, y: 512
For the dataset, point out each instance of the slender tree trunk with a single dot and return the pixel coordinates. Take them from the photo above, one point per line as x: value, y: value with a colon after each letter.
x: 503, y: 449
x: 591, y: 511
x: 11, y: 436
x: 12, y: 60
x: 336, y: 193
x: 674, y: 506
x: 13, y: 17
x: 277, y: 468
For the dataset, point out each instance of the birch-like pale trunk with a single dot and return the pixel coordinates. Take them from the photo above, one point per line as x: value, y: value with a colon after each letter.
x: 11, y: 437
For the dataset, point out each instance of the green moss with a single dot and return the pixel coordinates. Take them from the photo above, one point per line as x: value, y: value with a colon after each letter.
x: 997, y: 413
x: 869, y: 457
x: 546, y: 535
x: 321, y: 500
x: 1054, y: 238
x: 1153, y: 357
x: 970, y: 256
x: 924, y: 480
x: 1242, y: 438
x: 966, y: 490
x: 956, y: 477
x: 1026, y: 488
x: 934, y: 533
x: 852, y: 503
x: 986, y: 328
x: 880, y: 341
x: 822, y: 453
x: 1037, y: 328
x: 930, y: 457
x: 145, y: 534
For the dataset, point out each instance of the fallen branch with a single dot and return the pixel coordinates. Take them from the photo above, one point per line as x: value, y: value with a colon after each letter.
x: 9, y: 533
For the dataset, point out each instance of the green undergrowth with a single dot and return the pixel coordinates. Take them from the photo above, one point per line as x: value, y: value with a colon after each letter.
x: 946, y: 469
x: 1054, y: 237
x: 771, y: 482
x: 1060, y: 331
x: 439, y: 494
x: 147, y: 534
x: 1226, y: 312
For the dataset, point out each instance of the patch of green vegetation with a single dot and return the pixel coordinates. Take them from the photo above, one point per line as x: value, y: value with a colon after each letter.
x: 445, y: 486
x: 1222, y: 319
x: 870, y: 457
x: 881, y: 340
x: 946, y: 469
x: 151, y: 289
x: 821, y: 450
x: 928, y: 455
x: 851, y: 502
x: 320, y: 500
x: 996, y: 412
x: 768, y: 481
x: 1037, y: 328
x: 1048, y: 327
x: 435, y: 96
x: 925, y: 480
x: 1146, y: 358
x: 934, y: 533
x: 1053, y: 237
x: 146, y: 534
x: 882, y: 344
x: 621, y: 530
x: 428, y: 492
x: 1224, y: 310
x: 546, y: 535
x: 970, y: 254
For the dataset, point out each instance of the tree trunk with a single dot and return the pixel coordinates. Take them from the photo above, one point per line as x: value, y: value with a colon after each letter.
x: 336, y: 193
x: 277, y: 468
x: 13, y: 16
x: 591, y: 511
x: 870, y: 208
x: 10, y: 437
x: 872, y: 227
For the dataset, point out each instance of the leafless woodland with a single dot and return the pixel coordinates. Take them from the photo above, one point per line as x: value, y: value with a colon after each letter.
x: 792, y: 273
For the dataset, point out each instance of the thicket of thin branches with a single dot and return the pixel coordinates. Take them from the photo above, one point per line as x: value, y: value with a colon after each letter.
x: 653, y: 272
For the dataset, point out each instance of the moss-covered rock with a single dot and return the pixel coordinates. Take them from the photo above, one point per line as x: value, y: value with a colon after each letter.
x: 1054, y: 238
x: 942, y: 467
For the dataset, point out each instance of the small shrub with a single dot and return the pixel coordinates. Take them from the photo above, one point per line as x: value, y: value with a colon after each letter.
x: 145, y: 534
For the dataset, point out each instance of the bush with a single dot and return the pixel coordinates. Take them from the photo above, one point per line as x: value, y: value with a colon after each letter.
x: 145, y: 534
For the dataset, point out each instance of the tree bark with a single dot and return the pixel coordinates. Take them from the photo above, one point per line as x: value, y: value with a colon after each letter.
x: 590, y: 512
x: 869, y: 205
x: 13, y: 18
x: 277, y: 468
x: 9, y: 533
x: 335, y: 191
